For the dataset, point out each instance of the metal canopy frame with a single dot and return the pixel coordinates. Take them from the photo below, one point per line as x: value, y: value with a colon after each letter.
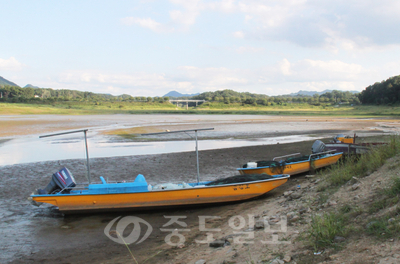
x: 185, y: 131
x: 148, y: 134
x: 86, y: 146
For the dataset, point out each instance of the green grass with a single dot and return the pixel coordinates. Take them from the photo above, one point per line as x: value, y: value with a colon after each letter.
x: 394, y: 189
x: 124, y: 107
x: 324, y: 228
x: 387, y: 197
x: 385, y: 227
x: 379, y: 221
x: 379, y: 227
x: 345, y: 170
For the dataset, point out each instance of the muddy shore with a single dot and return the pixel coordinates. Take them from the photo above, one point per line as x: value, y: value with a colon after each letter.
x: 43, y: 235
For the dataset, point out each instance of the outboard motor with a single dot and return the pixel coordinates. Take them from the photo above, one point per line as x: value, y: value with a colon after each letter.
x: 60, y: 180
x: 318, y: 146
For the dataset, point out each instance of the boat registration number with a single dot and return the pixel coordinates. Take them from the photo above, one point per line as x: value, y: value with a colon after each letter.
x: 241, y: 187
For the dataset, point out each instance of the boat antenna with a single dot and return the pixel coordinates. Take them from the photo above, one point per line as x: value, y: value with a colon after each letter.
x: 185, y: 131
x: 86, y: 146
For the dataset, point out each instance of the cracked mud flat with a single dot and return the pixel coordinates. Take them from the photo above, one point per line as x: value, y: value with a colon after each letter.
x: 43, y: 235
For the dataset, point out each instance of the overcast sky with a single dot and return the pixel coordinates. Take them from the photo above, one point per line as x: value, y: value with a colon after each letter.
x: 148, y: 48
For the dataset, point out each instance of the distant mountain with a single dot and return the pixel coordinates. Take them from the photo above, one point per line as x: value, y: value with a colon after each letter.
x: 30, y: 86
x: 6, y: 82
x: 178, y: 94
x: 311, y: 93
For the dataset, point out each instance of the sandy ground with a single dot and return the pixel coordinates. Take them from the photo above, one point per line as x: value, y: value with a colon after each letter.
x: 43, y: 235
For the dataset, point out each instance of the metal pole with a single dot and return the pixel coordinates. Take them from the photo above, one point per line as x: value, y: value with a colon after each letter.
x: 63, y: 133
x: 184, y: 131
x: 197, y: 157
x: 86, y: 145
x: 348, y: 150
x: 87, y: 157
x: 177, y: 131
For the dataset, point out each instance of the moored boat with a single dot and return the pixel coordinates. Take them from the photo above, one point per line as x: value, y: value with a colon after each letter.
x: 70, y: 197
x: 294, y: 163
x: 348, y: 145
x: 140, y: 195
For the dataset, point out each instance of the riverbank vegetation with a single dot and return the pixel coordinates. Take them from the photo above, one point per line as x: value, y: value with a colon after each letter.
x: 17, y: 94
x: 380, y: 99
x: 373, y: 212
x: 88, y: 108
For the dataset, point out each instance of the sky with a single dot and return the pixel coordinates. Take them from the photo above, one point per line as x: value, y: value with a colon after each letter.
x: 148, y: 48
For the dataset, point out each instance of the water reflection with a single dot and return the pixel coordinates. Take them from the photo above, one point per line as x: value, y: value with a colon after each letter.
x: 25, y: 150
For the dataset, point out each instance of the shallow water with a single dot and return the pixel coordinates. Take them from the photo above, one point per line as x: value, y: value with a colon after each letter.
x: 20, y: 143
x: 33, y: 149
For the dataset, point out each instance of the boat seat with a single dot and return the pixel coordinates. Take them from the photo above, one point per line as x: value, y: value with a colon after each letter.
x: 140, y: 179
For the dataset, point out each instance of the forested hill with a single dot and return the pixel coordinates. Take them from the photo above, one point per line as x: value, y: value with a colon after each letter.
x: 385, y: 92
x: 6, y: 82
x: 17, y: 93
x: 229, y: 96
x: 214, y: 96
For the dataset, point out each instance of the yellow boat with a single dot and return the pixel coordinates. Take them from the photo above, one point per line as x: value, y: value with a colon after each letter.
x: 291, y: 164
x: 139, y: 195
x: 63, y: 192
x: 348, y: 145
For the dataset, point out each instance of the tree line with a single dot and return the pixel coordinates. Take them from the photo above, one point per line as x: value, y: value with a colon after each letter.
x: 10, y: 93
x: 229, y: 96
x: 385, y: 92
x: 17, y: 94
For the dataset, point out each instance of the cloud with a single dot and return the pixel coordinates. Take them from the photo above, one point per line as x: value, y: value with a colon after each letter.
x: 238, y: 34
x: 285, y: 66
x: 315, y: 75
x: 135, y: 84
x: 283, y: 77
x: 189, y: 79
x: 350, y: 25
x: 242, y: 50
x: 183, y: 18
x: 214, y: 78
x: 145, y: 22
x: 180, y: 19
x: 11, y: 64
x: 188, y: 14
x: 333, y: 70
x: 333, y: 25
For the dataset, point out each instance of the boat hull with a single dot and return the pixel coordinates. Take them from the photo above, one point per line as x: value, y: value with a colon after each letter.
x: 75, y: 203
x: 351, y: 148
x: 294, y: 168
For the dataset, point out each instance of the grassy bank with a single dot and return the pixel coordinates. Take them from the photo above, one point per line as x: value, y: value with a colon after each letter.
x: 362, y: 166
x: 93, y: 108
x: 379, y: 215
